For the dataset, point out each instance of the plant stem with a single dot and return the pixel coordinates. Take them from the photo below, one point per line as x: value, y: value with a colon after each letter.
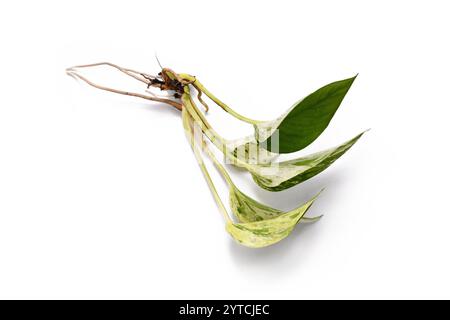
x: 216, y: 162
x: 201, y: 88
x: 219, y: 166
x: 207, y: 129
x: 209, y: 132
x: 188, y: 129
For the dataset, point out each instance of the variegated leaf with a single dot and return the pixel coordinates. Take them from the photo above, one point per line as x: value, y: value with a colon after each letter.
x: 267, y: 232
x: 286, y: 174
x: 249, y: 151
x: 247, y: 209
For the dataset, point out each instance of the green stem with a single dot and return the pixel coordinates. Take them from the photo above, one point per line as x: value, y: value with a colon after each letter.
x: 207, y: 129
x: 208, y: 179
x: 199, y: 86
x: 219, y: 166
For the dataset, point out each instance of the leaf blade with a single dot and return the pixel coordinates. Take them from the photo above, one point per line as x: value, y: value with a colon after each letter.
x: 268, y: 232
x: 292, y: 172
x: 308, y: 118
x: 247, y: 209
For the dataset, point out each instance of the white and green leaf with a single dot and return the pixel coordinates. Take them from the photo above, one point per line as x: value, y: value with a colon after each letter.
x: 286, y: 174
x: 267, y: 232
x: 249, y: 151
x: 277, y: 176
x: 247, y: 209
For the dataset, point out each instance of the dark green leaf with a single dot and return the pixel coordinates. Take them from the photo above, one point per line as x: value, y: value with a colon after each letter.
x: 308, y: 119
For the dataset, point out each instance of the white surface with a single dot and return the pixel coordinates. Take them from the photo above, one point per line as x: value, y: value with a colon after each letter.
x: 100, y: 195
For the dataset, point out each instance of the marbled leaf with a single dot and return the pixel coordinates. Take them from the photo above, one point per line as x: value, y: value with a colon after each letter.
x: 247, y: 209
x: 267, y: 232
x: 283, y: 175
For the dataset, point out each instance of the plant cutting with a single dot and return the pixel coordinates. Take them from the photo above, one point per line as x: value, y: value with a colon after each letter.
x: 250, y: 223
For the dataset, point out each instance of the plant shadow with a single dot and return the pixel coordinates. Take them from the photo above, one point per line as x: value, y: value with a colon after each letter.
x: 157, y: 107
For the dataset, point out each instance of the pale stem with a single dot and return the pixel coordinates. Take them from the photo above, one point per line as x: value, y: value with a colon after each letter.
x: 209, y: 132
x: 199, y: 86
x: 212, y: 135
x: 199, y: 158
x: 219, y: 166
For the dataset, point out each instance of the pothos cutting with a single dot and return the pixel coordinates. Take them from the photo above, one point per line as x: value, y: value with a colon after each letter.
x: 252, y: 223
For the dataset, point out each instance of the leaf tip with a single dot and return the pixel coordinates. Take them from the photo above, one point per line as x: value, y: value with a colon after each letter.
x: 362, y: 133
x: 352, y: 79
x: 317, y: 218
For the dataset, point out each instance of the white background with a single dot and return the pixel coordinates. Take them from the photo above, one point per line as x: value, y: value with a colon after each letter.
x: 101, y: 197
